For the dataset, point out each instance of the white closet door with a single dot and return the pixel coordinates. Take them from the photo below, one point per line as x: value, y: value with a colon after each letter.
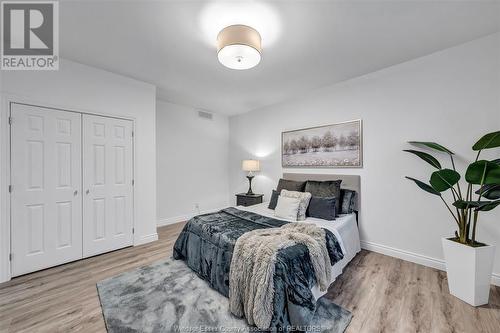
x: 46, y: 219
x: 107, y: 181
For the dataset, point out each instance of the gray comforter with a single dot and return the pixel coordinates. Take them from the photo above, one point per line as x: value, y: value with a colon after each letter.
x: 206, y: 244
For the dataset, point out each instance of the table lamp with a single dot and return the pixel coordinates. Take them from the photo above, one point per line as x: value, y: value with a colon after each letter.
x: 250, y: 166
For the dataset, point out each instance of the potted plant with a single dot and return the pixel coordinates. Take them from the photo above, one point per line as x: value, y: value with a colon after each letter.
x: 469, y: 263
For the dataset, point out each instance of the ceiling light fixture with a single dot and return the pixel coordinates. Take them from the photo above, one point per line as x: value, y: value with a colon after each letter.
x: 239, y: 47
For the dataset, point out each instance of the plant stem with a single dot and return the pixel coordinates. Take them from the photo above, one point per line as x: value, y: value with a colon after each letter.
x: 467, y: 223
x: 476, y: 213
x: 461, y: 230
x: 469, y: 198
x: 474, y: 228
x: 458, y: 184
x: 455, y: 199
x: 451, y: 212
x: 455, y: 192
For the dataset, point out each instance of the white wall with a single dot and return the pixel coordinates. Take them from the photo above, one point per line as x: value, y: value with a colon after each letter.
x: 192, y: 162
x: 452, y: 97
x: 83, y: 88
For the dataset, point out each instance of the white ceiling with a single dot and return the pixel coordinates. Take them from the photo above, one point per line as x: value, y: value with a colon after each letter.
x: 314, y: 43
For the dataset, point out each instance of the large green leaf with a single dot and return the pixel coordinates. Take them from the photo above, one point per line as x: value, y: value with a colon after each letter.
x: 483, y: 172
x: 426, y: 157
x: 432, y: 145
x: 424, y: 186
x: 493, y: 177
x: 444, y: 179
x: 462, y: 204
x: 486, y: 206
x: 490, y: 140
x: 491, y: 192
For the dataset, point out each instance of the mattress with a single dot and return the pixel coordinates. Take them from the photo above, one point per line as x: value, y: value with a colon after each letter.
x: 345, y: 228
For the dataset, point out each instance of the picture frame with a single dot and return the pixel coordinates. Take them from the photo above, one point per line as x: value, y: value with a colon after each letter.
x: 338, y: 145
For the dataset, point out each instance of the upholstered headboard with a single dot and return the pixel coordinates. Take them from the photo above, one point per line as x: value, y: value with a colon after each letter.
x: 349, y: 182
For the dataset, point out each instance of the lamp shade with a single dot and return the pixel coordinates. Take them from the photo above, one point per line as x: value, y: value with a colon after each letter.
x: 250, y: 165
x: 239, y: 47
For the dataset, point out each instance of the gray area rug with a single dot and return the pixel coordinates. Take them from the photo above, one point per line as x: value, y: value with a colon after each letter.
x: 168, y: 296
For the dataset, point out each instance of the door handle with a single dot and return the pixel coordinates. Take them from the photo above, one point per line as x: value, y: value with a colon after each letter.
x: 75, y: 193
x: 87, y: 192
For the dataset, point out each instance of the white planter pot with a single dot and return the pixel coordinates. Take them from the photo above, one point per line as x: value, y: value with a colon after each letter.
x: 469, y: 271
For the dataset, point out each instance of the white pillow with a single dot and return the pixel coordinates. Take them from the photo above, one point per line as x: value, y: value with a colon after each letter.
x: 287, y: 208
x: 304, y: 198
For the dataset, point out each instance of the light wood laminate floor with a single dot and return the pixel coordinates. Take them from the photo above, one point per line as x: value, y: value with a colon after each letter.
x: 385, y: 294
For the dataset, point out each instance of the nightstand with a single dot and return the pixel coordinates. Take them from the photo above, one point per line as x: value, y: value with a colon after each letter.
x: 243, y: 199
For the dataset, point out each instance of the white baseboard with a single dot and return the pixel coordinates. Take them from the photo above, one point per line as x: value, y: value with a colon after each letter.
x: 4, y: 277
x: 415, y: 258
x: 173, y: 220
x: 147, y: 239
x: 184, y: 218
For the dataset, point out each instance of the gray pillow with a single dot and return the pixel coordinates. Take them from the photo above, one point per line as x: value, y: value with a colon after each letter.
x: 322, y: 208
x: 348, y: 201
x: 274, y: 200
x: 290, y: 185
x: 325, y: 189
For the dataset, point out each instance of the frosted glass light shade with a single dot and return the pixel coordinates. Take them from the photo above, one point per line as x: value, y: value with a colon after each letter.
x: 250, y: 165
x: 239, y: 47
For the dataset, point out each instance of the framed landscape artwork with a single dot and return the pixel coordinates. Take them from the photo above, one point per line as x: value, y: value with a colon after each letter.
x: 330, y: 146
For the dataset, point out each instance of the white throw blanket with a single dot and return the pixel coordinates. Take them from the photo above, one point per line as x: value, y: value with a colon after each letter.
x: 251, y: 278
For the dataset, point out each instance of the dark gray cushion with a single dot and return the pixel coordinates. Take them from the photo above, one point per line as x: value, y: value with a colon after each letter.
x: 290, y: 185
x: 348, y: 201
x: 274, y: 200
x: 322, y: 208
x: 325, y: 189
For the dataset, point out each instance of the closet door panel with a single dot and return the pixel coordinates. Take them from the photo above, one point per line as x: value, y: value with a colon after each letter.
x: 46, y: 216
x: 107, y: 179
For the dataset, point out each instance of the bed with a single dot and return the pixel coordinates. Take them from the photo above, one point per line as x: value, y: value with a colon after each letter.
x: 207, y: 241
x: 345, y: 229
